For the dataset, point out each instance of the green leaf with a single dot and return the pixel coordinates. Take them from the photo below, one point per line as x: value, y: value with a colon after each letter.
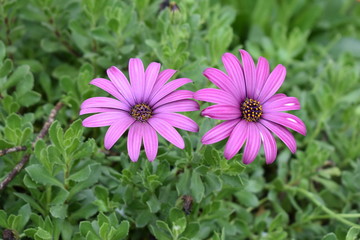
x: 154, y: 204
x: 163, y: 226
x: 247, y: 198
x: 17, y: 76
x: 2, y: 50
x: 197, y: 187
x: 183, y: 184
x: 104, y: 230
x: 6, y: 68
x: 42, y: 234
x: 353, y: 233
x: 24, y: 212
x: 40, y: 175
x: 3, y: 218
x: 81, y: 175
x: 56, y: 134
x: 59, y: 211
x: 330, y: 236
x: 29, y: 98
x: 31, y: 201
x: 122, y: 231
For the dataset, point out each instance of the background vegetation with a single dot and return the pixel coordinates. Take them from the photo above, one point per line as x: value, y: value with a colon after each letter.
x: 72, y: 188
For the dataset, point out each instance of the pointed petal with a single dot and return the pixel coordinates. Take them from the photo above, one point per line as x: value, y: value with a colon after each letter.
x: 167, y: 131
x: 281, y: 104
x: 137, y: 78
x: 167, y: 89
x: 269, y: 143
x: 134, y: 140
x: 284, y: 134
x: 103, y: 119
x: 273, y: 83
x: 163, y: 77
x: 235, y: 72
x: 179, y: 121
x: 105, y: 102
x: 222, y: 81
x: 216, y: 96
x: 219, y: 132
x: 262, y: 73
x: 249, y: 73
x: 178, y: 106
x: 253, y: 144
x: 121, y: 83
x: 109, y: 87
x: 116, y: 130
x: 151, y: 74
x: 236, y: 139
x: 150, y: 142
x: 174, y: 96
x: 286, y: 120
x: 99, y: 110
x: 222, y: 112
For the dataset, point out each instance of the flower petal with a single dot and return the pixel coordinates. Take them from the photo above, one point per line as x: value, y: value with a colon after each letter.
x: 284, y: 134
x: 216, y: 96
x: 167, y: 131
x: 98, y: 110
x: 286, y: 120
x: 174, y: 96
x: 281, y: 104
x: 116, y: 130
x: 102, y: 119
x: 121, y: 83
x: 151, y: 74
x: 273, y: 83
x: 222, y: 81
x: 163, y: 77
x: 253, y: 144
x: 222, y: 112
x: 150, y: 139
x: 105, y: 102
x: 108, y: 86
x: 249, y: 73
x: 134, y: 140
x: 236, y: 139
x: 137, y: 78
x: 219, y: 132
x: 167, y: 89
x: 262, y: 73
x: 235, y: 72
x: 268, y: 140
x: 178, y: 106
x: 179, y: 121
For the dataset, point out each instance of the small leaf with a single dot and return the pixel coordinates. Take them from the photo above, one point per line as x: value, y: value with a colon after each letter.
x: 122, y: 231
x: 40, y: 175
x: 197, y: 187
x: 81, y: 175
x: 59, y: 211
x: 352, y: 234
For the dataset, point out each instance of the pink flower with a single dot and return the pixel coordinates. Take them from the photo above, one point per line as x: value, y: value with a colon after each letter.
x: 251, y: 111
x: 146, y: 106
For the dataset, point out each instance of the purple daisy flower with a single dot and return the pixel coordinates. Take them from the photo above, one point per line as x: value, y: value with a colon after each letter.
x: 146, y: 106
x: 251, y: 111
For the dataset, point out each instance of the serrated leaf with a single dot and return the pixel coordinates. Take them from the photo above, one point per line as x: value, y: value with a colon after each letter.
x: 40, y: 175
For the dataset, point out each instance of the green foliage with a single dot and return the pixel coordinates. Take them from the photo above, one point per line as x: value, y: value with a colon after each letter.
x: 74, y: 189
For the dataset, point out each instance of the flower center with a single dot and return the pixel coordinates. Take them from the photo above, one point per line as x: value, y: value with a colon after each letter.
x: 251, y: 110
x: 141, y: 112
